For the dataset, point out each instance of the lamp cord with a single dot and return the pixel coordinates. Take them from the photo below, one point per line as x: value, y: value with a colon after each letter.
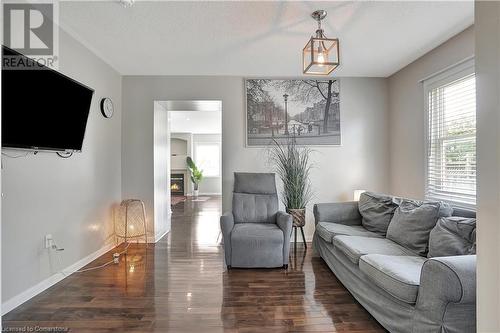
x: 90, y: 268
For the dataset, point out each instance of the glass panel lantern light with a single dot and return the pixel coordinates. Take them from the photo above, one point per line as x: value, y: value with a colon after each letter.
x: 321, y: 54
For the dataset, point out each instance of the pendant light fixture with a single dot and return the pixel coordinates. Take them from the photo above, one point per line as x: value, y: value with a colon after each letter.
x: 321, y: 54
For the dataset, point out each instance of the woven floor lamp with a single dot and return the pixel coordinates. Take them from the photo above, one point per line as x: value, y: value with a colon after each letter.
x: 130, y: 222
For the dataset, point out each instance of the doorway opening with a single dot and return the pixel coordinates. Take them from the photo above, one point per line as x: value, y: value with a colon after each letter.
x: 188, y: 156
x: 195, y: 153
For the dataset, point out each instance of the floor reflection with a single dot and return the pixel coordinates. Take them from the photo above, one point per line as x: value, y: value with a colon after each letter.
x: 265, y: 299
x: 195, y: 224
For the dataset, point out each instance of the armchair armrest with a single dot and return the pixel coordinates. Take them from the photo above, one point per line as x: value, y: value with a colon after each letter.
x: 226, y: 225
x: 284, y: 222
x: 340, y: 212
x: 445, y: 281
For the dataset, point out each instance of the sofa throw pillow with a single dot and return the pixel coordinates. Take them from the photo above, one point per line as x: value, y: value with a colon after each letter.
x: 377, y: 211
x: 453, y: 236
x: 413, y: 221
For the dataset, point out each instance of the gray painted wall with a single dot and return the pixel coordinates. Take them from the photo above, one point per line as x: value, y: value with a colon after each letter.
x: 179, y: 148
x: 68, y: 198
x: 487, y: 18
x: 180, y: 143
x: 361, y: 162
x: 406, y: 107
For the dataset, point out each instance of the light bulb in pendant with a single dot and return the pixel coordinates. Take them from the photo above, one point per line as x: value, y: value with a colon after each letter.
x: 321, y: 58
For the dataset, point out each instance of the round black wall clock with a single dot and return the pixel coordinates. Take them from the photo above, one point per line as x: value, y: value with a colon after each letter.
x: 107, y: 108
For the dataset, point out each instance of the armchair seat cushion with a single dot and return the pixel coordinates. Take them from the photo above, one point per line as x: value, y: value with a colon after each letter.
x: 257, y: 245
x: 397, y: 275
x: 328, y: 230
x: 356, y: 246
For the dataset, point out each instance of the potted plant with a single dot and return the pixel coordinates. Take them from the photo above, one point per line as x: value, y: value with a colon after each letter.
x: 196, y: 175
x: 293, y: 167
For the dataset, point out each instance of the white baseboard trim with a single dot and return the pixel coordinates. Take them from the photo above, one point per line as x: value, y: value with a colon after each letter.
x: 151, y: 239
x: 160, y: 235
x: 26, y: 295
x: 205, y: 193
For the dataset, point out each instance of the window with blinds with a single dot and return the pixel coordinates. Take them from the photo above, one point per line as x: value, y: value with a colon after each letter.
x: 451, y: 138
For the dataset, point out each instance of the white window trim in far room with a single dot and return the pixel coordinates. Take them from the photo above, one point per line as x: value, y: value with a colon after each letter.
x: 211, y: 143
x: 449, y: 75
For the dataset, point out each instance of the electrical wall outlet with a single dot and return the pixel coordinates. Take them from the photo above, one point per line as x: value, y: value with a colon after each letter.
x: 48, y: 241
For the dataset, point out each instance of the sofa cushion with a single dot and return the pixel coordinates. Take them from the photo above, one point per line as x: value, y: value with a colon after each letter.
x: 397, y: 275
x: 256, y: 245
x: 453, y: 236
x: 413, y: 221
x: 377, y: 211
x: 328, y: 230
x: 356, y: 246
x: 463, y: 212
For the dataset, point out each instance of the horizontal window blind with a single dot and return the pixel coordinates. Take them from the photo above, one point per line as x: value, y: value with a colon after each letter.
x: 451, y: 141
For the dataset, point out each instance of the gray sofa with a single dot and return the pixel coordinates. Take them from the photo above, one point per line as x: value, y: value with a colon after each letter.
x: 402, y: 290
x: 255, y: 233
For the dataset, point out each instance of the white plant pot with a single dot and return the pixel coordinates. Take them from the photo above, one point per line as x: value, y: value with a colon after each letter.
x: 195, y: 193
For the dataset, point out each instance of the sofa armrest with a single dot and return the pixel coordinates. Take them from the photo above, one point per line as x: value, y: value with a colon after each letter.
x: 447, y: 284
x: 284, y: 222
x: 451, y: 279
x: 340, y: 212
x: 226, y: 226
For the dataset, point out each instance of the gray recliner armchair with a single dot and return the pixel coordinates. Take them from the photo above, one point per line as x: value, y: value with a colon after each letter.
x: 255, y: 233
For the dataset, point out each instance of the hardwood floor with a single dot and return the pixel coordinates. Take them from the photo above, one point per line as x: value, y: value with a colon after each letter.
x: 180, y: 285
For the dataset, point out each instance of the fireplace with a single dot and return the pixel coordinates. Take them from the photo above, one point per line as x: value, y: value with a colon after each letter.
x: 177, y: 184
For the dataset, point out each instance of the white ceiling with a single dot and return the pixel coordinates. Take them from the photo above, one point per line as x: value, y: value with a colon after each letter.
x: 196, y: 122
x: 260, y: 38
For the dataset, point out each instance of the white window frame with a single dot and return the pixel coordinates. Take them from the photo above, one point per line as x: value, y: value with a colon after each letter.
x: 441, y: 78
x: 209, y: 143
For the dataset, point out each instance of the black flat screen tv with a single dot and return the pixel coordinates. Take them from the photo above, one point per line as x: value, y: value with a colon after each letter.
x: 42, y: 109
